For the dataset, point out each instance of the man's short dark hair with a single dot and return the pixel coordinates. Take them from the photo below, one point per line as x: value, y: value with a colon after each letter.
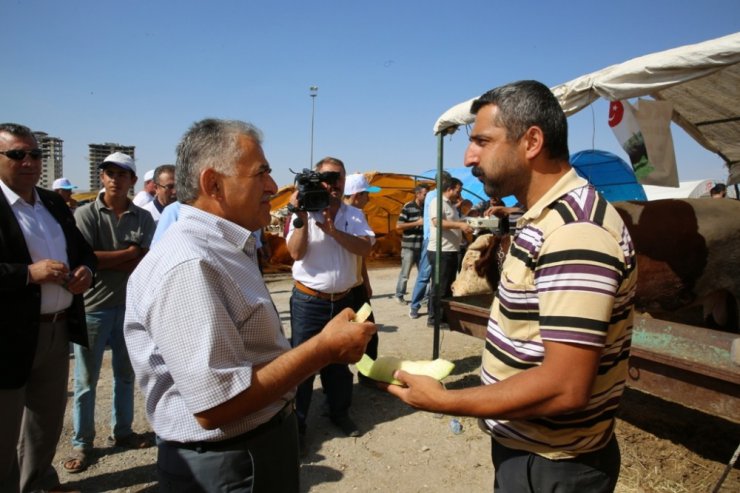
x: 163, y: 168
x: 451, y: 183
x: 525, y: 104
x: 422, y: 186
x: 329, y: 160
x: 17, y: 130
x: 718, y: 189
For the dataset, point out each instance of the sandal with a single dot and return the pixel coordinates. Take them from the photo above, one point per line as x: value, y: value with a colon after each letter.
x: 77, y: 462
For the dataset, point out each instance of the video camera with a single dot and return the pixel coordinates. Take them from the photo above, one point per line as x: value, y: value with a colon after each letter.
x: 312, y: 195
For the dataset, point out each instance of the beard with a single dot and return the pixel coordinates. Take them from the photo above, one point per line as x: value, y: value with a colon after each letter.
x: 491, y: 188
x: 510, y: 178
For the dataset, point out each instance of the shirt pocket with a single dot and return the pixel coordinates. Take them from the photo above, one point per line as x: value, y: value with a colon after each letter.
x: 519, y: 305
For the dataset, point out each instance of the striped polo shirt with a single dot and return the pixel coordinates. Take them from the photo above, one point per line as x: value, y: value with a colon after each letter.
x: 569, y: 277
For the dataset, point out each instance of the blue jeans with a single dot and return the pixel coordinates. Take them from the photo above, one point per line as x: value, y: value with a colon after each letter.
x: 422, y: 280
x: 104, y: 327
x: 409, y: 258
x: 308, y: 316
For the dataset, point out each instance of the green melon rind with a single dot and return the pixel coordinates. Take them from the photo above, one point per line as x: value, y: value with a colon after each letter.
x: 383, y: 368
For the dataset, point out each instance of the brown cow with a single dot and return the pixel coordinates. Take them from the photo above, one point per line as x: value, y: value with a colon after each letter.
x: 687, y: 255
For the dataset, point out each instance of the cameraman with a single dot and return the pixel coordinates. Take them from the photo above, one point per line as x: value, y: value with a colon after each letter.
x: 327, y: 247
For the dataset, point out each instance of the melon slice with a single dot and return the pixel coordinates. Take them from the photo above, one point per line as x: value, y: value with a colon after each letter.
x: 382, y: 369
x: 363, y: 313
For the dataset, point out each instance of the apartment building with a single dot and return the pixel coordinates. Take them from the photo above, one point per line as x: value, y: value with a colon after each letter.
x: 52, y: 161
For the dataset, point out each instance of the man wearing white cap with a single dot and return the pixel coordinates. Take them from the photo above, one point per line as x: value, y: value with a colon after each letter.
x: 120, y: 234
x: 64, y: 187
x: 357, y: 192
x: 146, y: 194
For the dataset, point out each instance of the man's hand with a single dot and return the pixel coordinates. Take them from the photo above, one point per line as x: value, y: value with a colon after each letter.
x: 418, y: 391
x: 328, y: 225
x: 79, y: 280
x: 45, y: 271
x: 343, y: 340
x: 294, y: 202
x: 466, y: 228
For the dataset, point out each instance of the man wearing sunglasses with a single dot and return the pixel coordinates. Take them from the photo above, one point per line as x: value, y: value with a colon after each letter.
x: 164, y: 179
x: 45, y: 266
x: 120, y: 234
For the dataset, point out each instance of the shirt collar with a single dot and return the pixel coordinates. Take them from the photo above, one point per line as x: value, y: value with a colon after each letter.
x: 13, y: 197
x: 231, y: 232
x: 102, y: 205
x: 569, y: 181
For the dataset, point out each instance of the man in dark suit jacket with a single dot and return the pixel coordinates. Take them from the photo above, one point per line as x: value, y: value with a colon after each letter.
x: 45, y: 266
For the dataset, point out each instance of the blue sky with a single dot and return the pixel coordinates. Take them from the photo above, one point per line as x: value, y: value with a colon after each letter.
x: 140, y: 72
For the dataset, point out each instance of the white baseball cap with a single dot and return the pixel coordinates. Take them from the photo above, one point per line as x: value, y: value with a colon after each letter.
x: 358, y: 183
x: 121, y: 160
x: 149, y: 175
x: 62, y: 184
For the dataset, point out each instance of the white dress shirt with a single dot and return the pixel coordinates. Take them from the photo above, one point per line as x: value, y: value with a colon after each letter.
x: 45, y: 240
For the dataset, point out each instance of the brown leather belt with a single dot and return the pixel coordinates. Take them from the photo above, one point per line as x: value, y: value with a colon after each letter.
x: 318, y: 294
x: 53, y: 317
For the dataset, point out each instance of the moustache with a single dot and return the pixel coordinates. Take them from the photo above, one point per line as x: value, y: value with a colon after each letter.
x: 477, y: 172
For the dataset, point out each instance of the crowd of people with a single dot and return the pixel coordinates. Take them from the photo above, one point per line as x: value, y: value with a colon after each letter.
x: 171, y: 282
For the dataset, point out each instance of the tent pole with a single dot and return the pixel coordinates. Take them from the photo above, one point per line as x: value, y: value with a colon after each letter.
x: 438, y: 247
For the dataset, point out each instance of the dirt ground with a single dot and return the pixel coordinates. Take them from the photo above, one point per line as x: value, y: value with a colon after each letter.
x: 665, y: 447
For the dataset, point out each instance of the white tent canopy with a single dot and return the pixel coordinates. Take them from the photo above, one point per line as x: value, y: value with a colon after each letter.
x: 685, y: 190
x: 702, y: 81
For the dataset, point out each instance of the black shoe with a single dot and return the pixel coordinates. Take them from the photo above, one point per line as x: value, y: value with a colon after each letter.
x: 347, y: 426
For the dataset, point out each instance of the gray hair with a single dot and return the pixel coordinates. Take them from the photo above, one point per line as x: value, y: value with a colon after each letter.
x: 209, y: 143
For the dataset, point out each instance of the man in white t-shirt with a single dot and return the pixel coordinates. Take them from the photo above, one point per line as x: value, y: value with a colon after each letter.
x: 327, y: 247
x: 146, y: 194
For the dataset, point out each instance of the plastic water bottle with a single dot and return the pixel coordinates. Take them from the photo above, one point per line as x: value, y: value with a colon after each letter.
x: 456, y: 426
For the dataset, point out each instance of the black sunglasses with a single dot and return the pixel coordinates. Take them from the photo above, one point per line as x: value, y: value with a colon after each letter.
x: 20, y: 154
x: 170, y: 186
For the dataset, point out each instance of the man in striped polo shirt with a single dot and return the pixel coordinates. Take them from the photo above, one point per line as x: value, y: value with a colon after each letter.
x: 555, y: 359
x: 411, y: 224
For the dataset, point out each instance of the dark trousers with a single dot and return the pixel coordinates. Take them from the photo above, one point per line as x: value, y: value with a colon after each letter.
x: 264, y: 462
x: 517, y: 471
x: 447, y: 273
x: 308, y: 316
x: 31, y: 417
x: 360, y: 297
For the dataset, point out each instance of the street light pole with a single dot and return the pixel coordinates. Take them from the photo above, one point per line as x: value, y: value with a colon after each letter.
x: 313, y: 90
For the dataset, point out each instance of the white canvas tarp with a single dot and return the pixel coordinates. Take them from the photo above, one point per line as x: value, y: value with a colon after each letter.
x: 686, y: 189
x: 702, y: 81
